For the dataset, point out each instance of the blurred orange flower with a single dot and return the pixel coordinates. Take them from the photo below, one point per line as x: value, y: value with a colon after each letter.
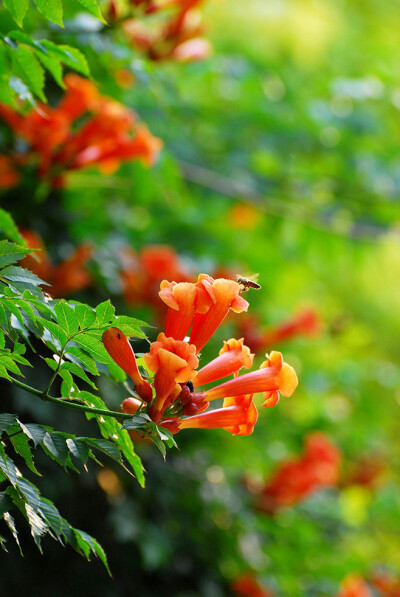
x: 108, y: 135
x: 9, y: 176
x: 246, y: 585
x: 354, y: 586
x: 297, y: 478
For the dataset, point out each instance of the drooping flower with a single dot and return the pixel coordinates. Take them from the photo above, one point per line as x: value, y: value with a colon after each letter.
x: 173, y: 362
x: 274, y: 376
x: 233, y: 356
x: 120, y: 350
x: 225, y: 296
x: 238, y: 416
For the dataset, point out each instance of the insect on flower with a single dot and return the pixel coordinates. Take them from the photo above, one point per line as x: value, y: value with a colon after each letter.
x: 248, y: 282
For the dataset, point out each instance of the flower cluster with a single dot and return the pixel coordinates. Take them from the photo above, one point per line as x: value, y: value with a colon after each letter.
x: 297, y: 478
x: 179, y: 35
x: 68, y: 276
x: 305, y: 323
x: 178, y: 396
x: 85, y: 128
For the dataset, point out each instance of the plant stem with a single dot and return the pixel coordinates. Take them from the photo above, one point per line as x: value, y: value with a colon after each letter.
x: 66, y: 404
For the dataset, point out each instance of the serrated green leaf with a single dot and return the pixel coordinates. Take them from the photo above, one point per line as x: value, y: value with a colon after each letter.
x: 9, y: 305
x: 6, y: 420
x: 51, y: 515
x: 10, y: 252
x: 56, y: 447
x: 17, y: 9
x: 54, y: 67
x: 7, y: 224
x: 66, y: 317
x: 19, y: 274
x: 9, y: 364
x: 76, y: 370
x: 29, y: 69
x: 51, y: 9
x: 25, y: 306
x: 68, y: 379
x: 83, y: 357
x: 22, y: 447
x: 78, y: 449
x: 4, y: 372
x: 136, y: 422
x: 93, y: 7
x: 51, y: 363
x: 34, y: 431
x: 11, y: 525
x: 69, y: 56
x: 85, y: 314
x: 104, y: 313
x: 104, y: 446
x: 8, y: 467
x: 55, y: 330
x: 37, y: 524
x: 29, y: 492
x: 89, y: 545
x: 94, y: 347
x: 22, y: 90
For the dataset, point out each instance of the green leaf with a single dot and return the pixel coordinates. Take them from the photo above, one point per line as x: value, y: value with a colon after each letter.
x: 104, y: 313
x: 12, y: 307
x: 35, y: 432
x: 8, y: 467
x: 6, y: 420
x: 29, y: 69
x: 5, y: 503
x: 107, y: 447
x: 53, y: 66
x: 37, y: 524
x: 17, y: 8
x: 89, y: 544
x: 94, y: 347
x: 51, y: 9
x: 66, y: 318
x: 85, y: 314
x: 11, y: 525
x: 29, y: 492
x: 19, y: 274
x: 9, y: 364
x: 136, y: 422
x: 76, y: 370
x: 79, y: 449
x: 54, y: 330
x: 56, y: 447
x: 83, y: 357
x: 22, y: 447
x: 68, y: 379
x: 7, y: 224
x: 51, y: 515
x: 93, y: 7
x: 22, y: 90
x: 10, y: 252
x: 69, y: 56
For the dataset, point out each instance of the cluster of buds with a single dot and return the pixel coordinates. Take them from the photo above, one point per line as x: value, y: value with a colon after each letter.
x: 108, y: 134
x: 297, y: 478
x: 65, y: 278
x: 178, y: 396
x: 179, y: 37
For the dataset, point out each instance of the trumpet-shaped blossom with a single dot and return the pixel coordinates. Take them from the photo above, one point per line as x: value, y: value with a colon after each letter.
x: 225, y: 296
x: 119, y: 349
x: 179, y: 400
x: 184, y: 301
x: 273, y: 377
x: 233, y: 356
x: 173, y: 362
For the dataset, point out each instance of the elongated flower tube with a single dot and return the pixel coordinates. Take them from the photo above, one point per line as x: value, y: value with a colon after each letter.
x: 273, y: 377
x: 227, y: 296
x: 173, y: 362
x: 237, y: 416
x: 184, y: 301
x: 119, y: 349
x: 233, y: 356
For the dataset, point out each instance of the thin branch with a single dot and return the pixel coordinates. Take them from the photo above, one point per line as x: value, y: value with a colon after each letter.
x: 67, y: 404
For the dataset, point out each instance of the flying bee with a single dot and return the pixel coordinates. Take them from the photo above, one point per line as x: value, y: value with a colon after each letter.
x: 247, y: 283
